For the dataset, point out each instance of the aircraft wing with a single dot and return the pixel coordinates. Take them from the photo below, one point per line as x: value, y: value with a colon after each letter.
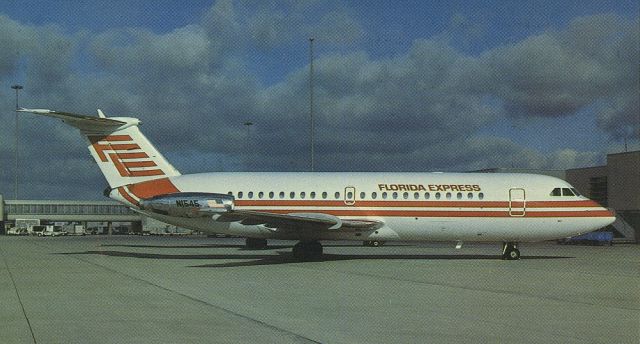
x: 298, y: 221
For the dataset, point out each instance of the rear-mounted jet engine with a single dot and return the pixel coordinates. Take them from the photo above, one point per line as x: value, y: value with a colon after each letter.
x: 189, y: 204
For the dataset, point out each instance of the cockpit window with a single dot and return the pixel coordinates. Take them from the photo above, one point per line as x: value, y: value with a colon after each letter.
x: 576, y: 192
x: 556, y: 192
x: 567, y: 192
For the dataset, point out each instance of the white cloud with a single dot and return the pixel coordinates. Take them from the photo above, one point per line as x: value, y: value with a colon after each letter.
x: 420, y: 110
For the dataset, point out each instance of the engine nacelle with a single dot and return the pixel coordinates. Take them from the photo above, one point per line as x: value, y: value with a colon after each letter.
x: 189, y: 204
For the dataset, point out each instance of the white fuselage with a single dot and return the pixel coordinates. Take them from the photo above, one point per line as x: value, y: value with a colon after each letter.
x: 411, y: 206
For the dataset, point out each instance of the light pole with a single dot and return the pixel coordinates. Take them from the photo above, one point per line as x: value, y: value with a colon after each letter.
x: 311, y: 129
x: 15, y: 192
x: 248, y: 124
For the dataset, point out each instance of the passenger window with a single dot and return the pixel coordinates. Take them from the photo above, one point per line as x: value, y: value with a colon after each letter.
x: 437, y: 195
x: 324, y: 195
x: 281, y: 195
x: 427, y: 195
x: 481, y: 195
x: 362, y: 195
x: 250, y: 194
x: 374, y: 195
x: 337, y: 195
x: 271, y: 194
x: 384, y: 195
x: 303, y: 195
x: 230, y: 193
x: 292, y: 195
x: 459, y: 195
x: 556, y: 192
x: 448, y: 195
x: 260, y: 194
x: 416, y: 195
x: 349, y: 195
x: 240, y: 194
x: 395, y: 195
x: 567, y: 192
x: 405, y: 195
x: 313, y: 195
x: 470, y: 195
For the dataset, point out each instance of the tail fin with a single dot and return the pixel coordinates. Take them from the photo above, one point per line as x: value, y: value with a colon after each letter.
x: 123, y: 153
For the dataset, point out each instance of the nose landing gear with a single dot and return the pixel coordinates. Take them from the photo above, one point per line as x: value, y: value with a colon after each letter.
x: 510, y: 251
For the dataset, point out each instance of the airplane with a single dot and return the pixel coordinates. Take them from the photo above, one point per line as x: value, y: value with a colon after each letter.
x: 358, y: 206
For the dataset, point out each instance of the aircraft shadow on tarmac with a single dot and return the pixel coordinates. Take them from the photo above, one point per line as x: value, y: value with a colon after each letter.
x: 287, y: 257
x: 241, y: 247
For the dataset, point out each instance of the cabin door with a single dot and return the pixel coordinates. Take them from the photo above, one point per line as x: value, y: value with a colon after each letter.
x: 517, y: 202
x: 349, y: 195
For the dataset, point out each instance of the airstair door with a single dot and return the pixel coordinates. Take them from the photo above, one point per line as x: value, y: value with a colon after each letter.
x: 517, y: 202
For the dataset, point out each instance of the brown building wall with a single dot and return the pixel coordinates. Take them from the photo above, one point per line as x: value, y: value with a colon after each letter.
x: 581, y: 178
x: 623, y: 170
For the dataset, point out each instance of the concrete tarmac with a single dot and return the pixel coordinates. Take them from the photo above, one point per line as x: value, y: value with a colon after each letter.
x: 122, y: 289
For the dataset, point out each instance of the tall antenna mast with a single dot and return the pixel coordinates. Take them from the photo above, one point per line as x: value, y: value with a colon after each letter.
x: 311, y: 129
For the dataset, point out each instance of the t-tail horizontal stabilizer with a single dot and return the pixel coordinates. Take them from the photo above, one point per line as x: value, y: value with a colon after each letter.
x: 83, y: 122
x: 122, y: 152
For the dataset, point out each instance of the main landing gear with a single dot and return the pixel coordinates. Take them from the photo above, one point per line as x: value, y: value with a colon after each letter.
x: 307, y: 250
x: 510, y: 251
x: 255, y: 244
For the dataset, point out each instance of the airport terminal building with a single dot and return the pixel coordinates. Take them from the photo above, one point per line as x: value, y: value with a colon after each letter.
x: 615, y: 185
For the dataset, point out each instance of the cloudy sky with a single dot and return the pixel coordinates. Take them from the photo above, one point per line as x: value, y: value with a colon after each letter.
x: 399, y: 85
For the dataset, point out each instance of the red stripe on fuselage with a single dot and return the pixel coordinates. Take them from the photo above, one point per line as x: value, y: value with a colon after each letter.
x: 153, y: 187
x: 126, y: 196
x: 416, y: 204
x: 444, y: 213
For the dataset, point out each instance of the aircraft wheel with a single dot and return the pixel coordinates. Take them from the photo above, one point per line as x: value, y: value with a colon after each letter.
x: 510, y: 251
x: 255, y: 244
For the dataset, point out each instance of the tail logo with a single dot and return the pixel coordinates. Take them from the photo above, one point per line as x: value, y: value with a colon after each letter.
x: 126, y: 155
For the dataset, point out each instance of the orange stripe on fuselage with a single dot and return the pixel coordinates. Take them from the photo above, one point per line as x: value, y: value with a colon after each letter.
x: 416, y: 204
x: 126, y: 196
x: 446, y: 213
x: 152, y: 188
